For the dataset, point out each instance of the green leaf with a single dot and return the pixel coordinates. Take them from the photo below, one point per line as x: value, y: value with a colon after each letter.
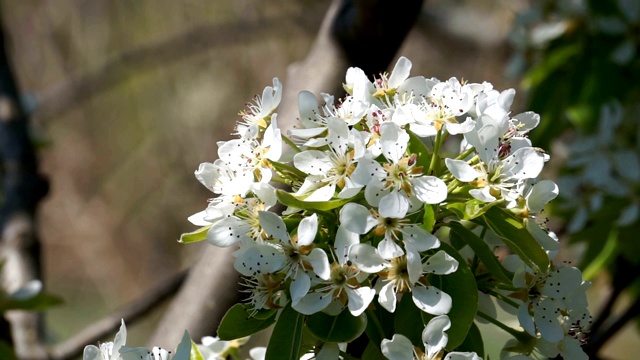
x: 473, y: 342
x: 416, y: 146
x: 372, y: 352
x: 342, y: 328
x: 238, y: 323
x: 470, y: 209
x: 288, y: 171
x: 195, y: 352
x: 461, y: 286
x: 408, y: 321
x: 380, y: 324
x: 429, y: 218
x: 513, y: 233
x: 482, y: 250
x: 286, y: 338
x: 289, y: 200
x: 195, y: 236
x: 38, y: 302
x: 6, y: 351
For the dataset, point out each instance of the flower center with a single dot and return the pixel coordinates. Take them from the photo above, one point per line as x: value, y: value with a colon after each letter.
x: 399, y: 273
x: 399, y: 174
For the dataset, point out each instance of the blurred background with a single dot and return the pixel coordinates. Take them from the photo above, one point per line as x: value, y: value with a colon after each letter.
x: 127, y: 98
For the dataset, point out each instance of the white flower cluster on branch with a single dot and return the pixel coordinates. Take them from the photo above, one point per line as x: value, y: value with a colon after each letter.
x: 371, y: 187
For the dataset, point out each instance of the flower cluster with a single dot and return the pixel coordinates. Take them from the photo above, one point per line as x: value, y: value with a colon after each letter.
x: 370, y: 188
x: 211, y: 348
x: 116, y: 350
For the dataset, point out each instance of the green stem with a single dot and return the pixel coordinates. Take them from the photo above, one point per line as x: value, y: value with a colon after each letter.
x: 483, y: 232
x: 497, y: 295
x: 452, y: 185
x: 281, y: 180
x: 436, y: 150
x: 290, y: 143
x: 515, y: 333
x: 466, y: 153
x: 474, y: 264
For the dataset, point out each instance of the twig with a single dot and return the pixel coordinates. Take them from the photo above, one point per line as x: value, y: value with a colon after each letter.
x: 23, y: 188
x: 598, y: 340
x: 209, y: 290
x: 131, y: 312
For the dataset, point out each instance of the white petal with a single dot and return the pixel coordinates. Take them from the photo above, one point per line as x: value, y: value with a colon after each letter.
x: 561, y: 282
x: 307, y: 230
x: 320, y: 263
x: 525, y: 163
x: 324, y: 193
x: 526, y: 320
x: 258, y: 353
x: 482, y: 194
x: 312, y: 303
x: 541, y: 236
x: 414, y: 263
x: 207, y: 175
x: 571, y: 349
x: 338, y: 135
x: 197, y: 219
x: 387, y: 297
x: 528, y: 120
x: 366, y: 171
x: 547, y: 322
x: 266, y: 193
x: 374, y: 192
x: 393, y: 205
x: 366, y: 258
x: 233, y: 150
x: 307, y: 105
x: 300, y: 285
x: 400, y: 72
x: 434, y: 336
x: 461, y: 170
x: 306, y: 133
x: 456, y: 355
x: 120, y: 338
x: 398, y: 348
x: 258, y: 259
x: 273, y: 225
x: 388, y: 249
x: 393, y: 140
x: 541, y: 193
x: 137, y: 353
x: 344, y: 240
x: 91, y: 352
x: 440, y: 263
x: 356, y: 218
x: 485, y: 138
x: 419, y: 238
x: 431, y: 300
x: 227, y: 232
x: 312, y: 162
x: 275, y: 148
x: 430, y: 189
x: 416, y: 85
x: 350, y: 189
x: 463, y: 128
x: 359, y: 299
